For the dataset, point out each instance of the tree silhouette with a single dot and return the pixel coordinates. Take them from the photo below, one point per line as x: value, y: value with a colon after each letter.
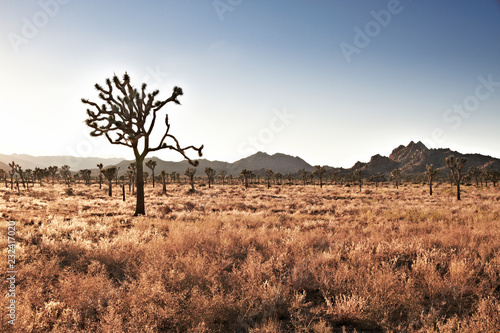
x: 100, y: 166
x: 396, y: 175
x: 86, y: 175
x: 65, y: 174
x: 320, y: 174
x: 475, y: 173
x: 269, y: 174
x: 131, y: 115
x: 431, y: 173
x: 110, y: 174
x: 190, y: 174
x: 163, y: 175
x: 456, y: 165
x: 152, y: 165
x: 53, y: 172
x: 222, y: 176
x: 210, y: 174
x: 246, y: 175
x: 358, y: 175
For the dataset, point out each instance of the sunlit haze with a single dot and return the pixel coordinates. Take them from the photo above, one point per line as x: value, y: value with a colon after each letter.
x: 333, y: 82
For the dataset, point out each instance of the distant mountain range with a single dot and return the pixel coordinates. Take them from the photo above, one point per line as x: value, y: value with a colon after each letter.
x: 411, y: 159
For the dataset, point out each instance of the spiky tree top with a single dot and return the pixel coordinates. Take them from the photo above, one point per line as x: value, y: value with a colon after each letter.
x: 128, y: 116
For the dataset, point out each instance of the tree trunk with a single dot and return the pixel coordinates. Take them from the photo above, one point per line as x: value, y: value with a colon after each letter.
x: 458, y: 190
x: 164, y: 190
x: 430, y: 187
x: 139, y: 207
x: 110, y: 191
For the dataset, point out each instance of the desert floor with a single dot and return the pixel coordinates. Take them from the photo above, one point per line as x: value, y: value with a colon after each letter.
x: 228, y: 259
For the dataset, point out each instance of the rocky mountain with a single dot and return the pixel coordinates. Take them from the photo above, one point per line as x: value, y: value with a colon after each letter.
x: 414, y: 157
x: 257, y: 162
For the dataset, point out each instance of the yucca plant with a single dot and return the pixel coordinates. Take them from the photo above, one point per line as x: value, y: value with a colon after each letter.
x: 127, y: 117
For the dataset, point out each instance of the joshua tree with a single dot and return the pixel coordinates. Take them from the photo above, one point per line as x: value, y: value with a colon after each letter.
x: 320, y: 174
x: 131, y: 115
x: 132, y: 170
x: 16, y: 168
x: 396, y: 175
x: 304, y: 175
x: 358, y: 175
x: 110, y: 174
x: 269, y: 174
x: 494, y: 176
x: 222, y: 176
x: 163, y: 175
x: 100, y: 166
x: 245, y: 173
x: 485, y: 176
x: 190, y: 174
x: 456, y: 165
x: 52, y: 172
x: 152, y: 165
x: 39, y: 173
x: 376, y: 178
x: 278, y: 177
x: 289, y: 178
x: 65, y: 174
x: 210, y: 174
x: 3, y: 175
x: 86, y: 175
x: 475, y: 173
x: 431, y: 174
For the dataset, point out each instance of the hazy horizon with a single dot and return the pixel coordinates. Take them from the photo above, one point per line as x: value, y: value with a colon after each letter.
x: 332, y: 83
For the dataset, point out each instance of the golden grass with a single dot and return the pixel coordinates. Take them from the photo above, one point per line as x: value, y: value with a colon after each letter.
x: 226, y: 259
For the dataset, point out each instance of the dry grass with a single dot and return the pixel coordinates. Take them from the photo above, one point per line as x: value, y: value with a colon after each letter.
x: 289, y: 259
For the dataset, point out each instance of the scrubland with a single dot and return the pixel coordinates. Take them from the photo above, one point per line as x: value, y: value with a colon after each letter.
x: 284, y: 259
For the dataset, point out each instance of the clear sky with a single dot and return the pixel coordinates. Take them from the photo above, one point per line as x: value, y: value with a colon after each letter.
x: 331, y: 81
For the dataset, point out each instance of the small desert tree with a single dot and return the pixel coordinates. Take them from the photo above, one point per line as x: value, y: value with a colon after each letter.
x: 304, y: 175
x: 210, y: 175
x: 85, y: 173
x: 163, y: 175
x: 246, y: 174
x: 131, y: 115
x: 190, y: 174
x: 222, y: 176
x: 431, y: 173
x: 100, y: 166
x: 52, y: 172
x: 475, y: 174
x: 3, y: 175
x: 65, y: 174
x: 396, y: 175
x: 269, y: 174
x: 358, y: 175
x: 494, y: 176
x: 320, y: 174
x: 278, y: 176
x: 152, y: 165
x: 456, y: 165
x: 110, y: 174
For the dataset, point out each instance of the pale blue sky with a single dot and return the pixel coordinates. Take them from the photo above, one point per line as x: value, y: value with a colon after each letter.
x: 294, y: 77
